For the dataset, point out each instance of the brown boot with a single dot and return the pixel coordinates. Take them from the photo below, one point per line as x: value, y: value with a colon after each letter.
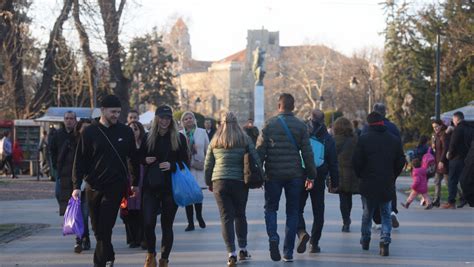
x: 163, y: 263
x: 150, y: 260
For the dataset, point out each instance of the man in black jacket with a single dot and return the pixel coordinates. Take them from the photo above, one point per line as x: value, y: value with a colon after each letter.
x: 100, y: 160
x: 58, y: 139
x: 458, y: 149
x: 377, y: 160
x: 318, y: 131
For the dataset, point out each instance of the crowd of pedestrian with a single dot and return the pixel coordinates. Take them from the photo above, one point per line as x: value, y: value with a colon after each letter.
x: 114, y: 167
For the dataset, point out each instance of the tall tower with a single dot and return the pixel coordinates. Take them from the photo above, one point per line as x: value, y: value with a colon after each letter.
x: 179, y: 44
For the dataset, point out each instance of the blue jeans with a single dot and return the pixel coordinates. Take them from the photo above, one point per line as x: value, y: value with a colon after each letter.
x: 369, y: 207
x: 455, y: 169
x: 273, y: 189
x: 85, y: 213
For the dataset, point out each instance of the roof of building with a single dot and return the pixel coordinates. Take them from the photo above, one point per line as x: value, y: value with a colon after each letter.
x: 239, y: 57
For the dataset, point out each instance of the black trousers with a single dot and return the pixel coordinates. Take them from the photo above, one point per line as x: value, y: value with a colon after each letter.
x: 134, y: 226
x: 190, y: 213
x: 377, y: 219
x: 155, y: 203
x: 231, y: 197
x: 317, y: 204
x: 103, y: 209
x: 8, y: 162
x: 345, y: 205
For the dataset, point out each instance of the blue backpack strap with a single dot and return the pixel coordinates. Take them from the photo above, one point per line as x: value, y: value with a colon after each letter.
x: 288, y: 133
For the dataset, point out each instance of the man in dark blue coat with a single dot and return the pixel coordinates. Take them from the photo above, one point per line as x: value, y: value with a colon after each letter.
x: 377, y: 160
x: 318, y: 131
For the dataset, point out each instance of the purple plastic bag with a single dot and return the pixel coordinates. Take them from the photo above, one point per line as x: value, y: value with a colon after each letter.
x: 73, y: 223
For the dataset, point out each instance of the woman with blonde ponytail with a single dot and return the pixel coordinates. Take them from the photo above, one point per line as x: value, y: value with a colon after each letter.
x: 224, y: 172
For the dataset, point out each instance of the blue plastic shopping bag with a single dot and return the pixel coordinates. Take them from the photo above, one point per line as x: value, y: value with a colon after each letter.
x: 186, y: 190
x: 73, y: 223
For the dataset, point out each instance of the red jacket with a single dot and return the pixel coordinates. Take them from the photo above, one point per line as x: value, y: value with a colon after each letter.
x: 17, y: 153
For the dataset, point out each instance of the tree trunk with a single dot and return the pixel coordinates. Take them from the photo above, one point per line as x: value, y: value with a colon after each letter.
x: 10, y: 40
x: 111, y: 19
x: 90, y: 60
x: 44, y: 96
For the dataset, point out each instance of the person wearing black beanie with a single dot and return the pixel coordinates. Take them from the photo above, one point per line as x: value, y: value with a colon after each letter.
x: 377, y: 170
x: 101, y: 160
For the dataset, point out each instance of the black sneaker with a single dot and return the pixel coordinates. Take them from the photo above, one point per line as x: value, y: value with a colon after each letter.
x: 86, y: 243
x: 302, y: 241
x: 345, y: 228
x: 461, y: 204
x: 78, y: 245
x: 244, y: 255
x: 315, y: 249
x: 274, y: 251
x: 287, y: 259
x: 232, y: 261
x: 365, y: 244
x: 189, y: 228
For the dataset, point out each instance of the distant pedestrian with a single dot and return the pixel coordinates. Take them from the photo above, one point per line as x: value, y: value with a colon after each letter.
x: 132, y: 116
x: 422, y: 147
x: 251, y: 130
x: 419, y: 185
x: 101, y: 156
x: 56, y: 143
x: 458, y: 149
x: 224, y: 176
x: 133, y: 219
x: 43, y: 148
x: 198, y: 142
x: 355, y: 124
x: 6, y: 154
x: 17, y: 157
x: 440, y: 144
x: 65, y: 168
x: 327, y: 173
x: 377, y: 160
x: 467, y: 176
x: 346, y: 140
x: 284, y: 146
x: 165, y: 146
x: 209, y: 129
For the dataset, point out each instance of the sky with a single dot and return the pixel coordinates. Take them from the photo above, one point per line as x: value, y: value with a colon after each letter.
x: 218, y: 28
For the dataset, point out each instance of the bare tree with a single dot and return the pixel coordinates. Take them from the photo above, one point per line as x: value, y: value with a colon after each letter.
x: 43, y: 97
x: 90, y: 69
x: 111, y: 18
x: 10, y: 39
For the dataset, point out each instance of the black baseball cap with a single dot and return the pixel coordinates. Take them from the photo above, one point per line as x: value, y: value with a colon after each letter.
x: 163, y: 111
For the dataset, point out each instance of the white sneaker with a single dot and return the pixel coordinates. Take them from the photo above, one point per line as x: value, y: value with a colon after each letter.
x: 377, y: 226
x: 395, y: 223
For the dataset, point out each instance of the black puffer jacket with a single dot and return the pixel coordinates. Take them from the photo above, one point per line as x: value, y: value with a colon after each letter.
x: 282, y: 160
x: 378, y: 160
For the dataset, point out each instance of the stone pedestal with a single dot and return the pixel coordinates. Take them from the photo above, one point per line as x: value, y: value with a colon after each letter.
x: 259, y: 106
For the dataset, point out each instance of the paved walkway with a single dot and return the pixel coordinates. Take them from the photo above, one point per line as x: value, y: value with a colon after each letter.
x: 425, y: 238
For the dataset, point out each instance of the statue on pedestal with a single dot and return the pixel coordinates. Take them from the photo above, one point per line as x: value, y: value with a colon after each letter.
x: 258, y: 65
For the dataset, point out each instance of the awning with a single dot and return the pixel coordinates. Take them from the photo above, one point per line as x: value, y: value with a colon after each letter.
x: 55, y: 114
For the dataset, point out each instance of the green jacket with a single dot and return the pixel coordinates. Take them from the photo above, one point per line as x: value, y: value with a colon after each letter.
x: 282, y: 159
x: 226, y: 164
x: 348, y: 181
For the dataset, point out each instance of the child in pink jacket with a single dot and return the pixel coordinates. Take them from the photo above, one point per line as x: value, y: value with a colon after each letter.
x: 419, y: 185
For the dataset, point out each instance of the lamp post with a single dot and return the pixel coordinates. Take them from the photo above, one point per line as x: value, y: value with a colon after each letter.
x: 437, y: 94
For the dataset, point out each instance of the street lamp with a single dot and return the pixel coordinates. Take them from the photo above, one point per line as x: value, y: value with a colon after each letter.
x: 437, y: 94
